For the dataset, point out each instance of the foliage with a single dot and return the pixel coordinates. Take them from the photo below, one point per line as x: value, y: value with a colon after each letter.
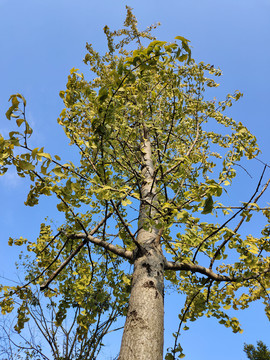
x: 156, y: 92
x: 69, y: 324
x: 260, y: 353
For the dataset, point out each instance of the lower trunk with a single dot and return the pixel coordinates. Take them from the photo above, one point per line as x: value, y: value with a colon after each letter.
x: 143, y: 332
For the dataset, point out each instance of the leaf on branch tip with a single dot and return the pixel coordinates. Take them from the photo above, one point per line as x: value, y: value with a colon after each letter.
x: 182, y: 39
x: 208, y: 205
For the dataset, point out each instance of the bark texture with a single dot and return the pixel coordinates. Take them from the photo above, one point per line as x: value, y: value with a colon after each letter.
x: 143, y: 332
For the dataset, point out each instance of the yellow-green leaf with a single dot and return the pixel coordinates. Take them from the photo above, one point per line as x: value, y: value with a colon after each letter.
x: 19, y: 122
x: 126, y: 202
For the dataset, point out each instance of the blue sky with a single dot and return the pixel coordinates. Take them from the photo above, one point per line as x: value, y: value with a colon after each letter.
x: 40, y: 41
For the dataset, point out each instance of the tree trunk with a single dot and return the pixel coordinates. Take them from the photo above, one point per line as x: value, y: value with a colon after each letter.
x: 143, y: 332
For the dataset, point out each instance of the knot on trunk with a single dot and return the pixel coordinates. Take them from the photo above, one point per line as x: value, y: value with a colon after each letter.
x: 149, y: 284
x: 148, y: 268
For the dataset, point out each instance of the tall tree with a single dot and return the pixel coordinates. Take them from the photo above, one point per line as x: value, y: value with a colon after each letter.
x: 260, y: 353
x: 154, y: 157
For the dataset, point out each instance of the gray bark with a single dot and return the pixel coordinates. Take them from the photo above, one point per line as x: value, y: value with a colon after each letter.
x: 143, y: 332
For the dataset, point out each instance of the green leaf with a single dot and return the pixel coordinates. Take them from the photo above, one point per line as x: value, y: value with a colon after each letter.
x: 136, y: 195
x: 157, y: 42
x: 169, y: 357
x: 62, y: 94
x: 73, y: 70
x: 19, y: 122
x: 22, y: 98
x: 182, y: 39
x: 61, y: 207
x: 208, y: 205
x: 253, y: 249
x: 103, y: 94
x: 14, y: 100
x: 120, y: 68
x: 58, y: 171
x: 9, y: 112
x: 182, y: 57
x: 126, y: 202
x: 47, y: 156
x: 25, y: 165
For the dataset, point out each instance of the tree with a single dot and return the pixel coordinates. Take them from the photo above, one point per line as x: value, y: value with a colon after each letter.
x: 55, y: 325
x: 261, y: 353
x: 153, y: 157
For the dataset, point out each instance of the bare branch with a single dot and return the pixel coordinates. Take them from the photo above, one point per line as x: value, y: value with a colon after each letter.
x: 169, y: 265
x: 112, y: 248
x: 240, y: 207
x: 175, y: 266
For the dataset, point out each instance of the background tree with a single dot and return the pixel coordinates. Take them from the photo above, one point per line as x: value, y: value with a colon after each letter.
x: 60, y: 325
x: 153, y: 157
x: 260, y: 353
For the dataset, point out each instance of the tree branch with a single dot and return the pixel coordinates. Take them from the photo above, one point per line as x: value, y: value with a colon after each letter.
x: 74, y: 253
x: 189, y: 150
x: 194, y: 268
x: 87, y: 238
x: 169, y: 265
x: 231, y: 218
x: 237, y: 227
x: 112, y: 248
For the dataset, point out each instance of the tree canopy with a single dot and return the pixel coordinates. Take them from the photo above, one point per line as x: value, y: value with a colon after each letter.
x: 154, y: 158
x: 259, y: 353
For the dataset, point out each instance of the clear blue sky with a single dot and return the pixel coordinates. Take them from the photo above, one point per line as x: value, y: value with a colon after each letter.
x: 41, y: 40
